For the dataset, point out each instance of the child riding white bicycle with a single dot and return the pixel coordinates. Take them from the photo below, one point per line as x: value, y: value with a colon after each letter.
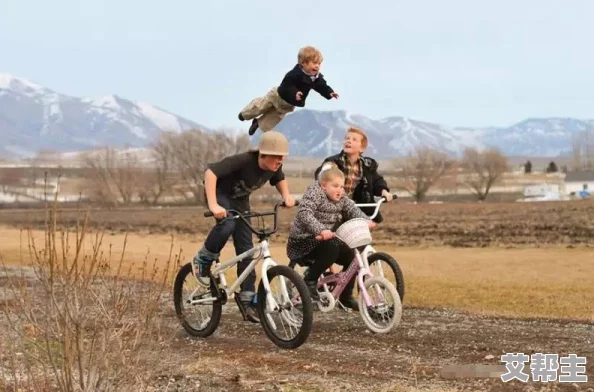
x: 322, y: 208
x: 228, y: 185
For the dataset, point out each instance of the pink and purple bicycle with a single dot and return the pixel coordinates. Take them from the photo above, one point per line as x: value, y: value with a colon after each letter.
x: 379, y: 302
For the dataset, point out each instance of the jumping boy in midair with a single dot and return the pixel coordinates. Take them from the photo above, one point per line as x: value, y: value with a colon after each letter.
x: 266, y: 112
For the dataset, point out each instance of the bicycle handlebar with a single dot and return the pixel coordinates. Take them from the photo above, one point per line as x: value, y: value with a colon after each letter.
x: 377, y: 204
x: 248, y: 214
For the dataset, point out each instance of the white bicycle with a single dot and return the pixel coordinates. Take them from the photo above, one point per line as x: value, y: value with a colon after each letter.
x: 285, y: 316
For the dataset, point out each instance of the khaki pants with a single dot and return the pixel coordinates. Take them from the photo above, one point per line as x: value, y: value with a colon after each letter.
x: 271, y: 107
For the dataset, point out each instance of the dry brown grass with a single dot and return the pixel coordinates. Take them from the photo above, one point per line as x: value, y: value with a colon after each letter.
x: 550, y: 282
x: 67, y: 325
x: 547, y: 282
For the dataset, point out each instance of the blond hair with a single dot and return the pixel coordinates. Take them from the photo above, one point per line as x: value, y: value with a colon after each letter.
x: 359, y: 132
x: 309, y: 53
x: 330, y: 174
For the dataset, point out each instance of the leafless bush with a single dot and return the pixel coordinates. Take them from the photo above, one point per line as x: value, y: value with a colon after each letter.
x: 420, y: 170
x: 483, y: 170
x: 85, y: 322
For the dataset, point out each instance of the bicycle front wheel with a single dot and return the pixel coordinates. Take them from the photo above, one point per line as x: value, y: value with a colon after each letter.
x: 286, y: 313
x: 385, y: 309
x: 193, y: 303
x: 385, y: 266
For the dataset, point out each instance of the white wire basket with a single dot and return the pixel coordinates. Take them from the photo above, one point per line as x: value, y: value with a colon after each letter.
x: 354, y: 233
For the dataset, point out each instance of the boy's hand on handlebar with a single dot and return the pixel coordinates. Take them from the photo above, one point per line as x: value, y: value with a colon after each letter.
x: 289, y: 201
x: 325, y: 235
x: 372, y: 225
x: 387, y: 195
x: 218, y: 211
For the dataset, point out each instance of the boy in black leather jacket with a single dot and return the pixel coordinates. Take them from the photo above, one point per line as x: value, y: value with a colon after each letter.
x: 363, y: 182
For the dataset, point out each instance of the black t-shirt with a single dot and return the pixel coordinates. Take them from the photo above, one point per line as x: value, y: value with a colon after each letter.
x: 239, y: 175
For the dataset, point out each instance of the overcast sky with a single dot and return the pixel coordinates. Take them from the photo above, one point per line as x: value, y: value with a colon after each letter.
x: 460, y: 63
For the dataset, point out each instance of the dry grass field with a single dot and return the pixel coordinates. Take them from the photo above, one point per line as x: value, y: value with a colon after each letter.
x: 481, y: 280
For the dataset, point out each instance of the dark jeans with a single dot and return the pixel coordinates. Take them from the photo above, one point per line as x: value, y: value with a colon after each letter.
x: 327, y: 253
x: 242, y: 240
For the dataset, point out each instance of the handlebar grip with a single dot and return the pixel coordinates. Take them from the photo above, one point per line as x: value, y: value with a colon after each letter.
x: 394, y: 196
x: 282, y: 203
x: 208, y: 214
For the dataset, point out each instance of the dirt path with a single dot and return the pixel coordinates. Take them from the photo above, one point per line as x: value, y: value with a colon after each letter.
x: 433, y: 350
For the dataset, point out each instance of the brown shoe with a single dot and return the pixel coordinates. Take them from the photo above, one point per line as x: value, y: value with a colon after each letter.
x: 253, y: 127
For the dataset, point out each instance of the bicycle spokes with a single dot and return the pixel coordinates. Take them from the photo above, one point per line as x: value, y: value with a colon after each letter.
x: 283, y: 315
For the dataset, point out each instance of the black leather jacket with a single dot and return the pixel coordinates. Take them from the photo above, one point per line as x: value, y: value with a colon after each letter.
x: 371, y: 183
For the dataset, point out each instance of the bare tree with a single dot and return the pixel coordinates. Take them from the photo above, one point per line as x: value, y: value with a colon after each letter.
x: 114, y: 175
x: 583, y: 150
x: 193, y: 150
x: 421, y: 169
x: 484, y: 169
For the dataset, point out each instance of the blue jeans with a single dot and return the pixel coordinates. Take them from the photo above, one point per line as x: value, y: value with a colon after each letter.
x: 242, y: 241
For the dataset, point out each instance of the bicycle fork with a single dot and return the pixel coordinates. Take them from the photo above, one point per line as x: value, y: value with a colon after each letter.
x: 365, y: 271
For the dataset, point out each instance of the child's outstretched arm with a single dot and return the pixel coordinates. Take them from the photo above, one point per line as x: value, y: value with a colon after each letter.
x: 324, y: 90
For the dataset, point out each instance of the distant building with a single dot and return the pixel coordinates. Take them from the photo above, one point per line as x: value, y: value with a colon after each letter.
x: 579, y: 184
x: 541, y: 192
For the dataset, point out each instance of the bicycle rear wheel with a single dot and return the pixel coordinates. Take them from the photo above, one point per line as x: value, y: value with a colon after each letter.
x: 294, y: 318
x: 186, y: 292
x: 385, y: 311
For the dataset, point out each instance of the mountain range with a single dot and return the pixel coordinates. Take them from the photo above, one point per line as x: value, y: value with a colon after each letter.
x: 34, y: 118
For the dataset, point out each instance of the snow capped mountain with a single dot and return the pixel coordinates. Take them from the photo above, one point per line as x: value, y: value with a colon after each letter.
x: 33, y: 117
x: 321, y: 133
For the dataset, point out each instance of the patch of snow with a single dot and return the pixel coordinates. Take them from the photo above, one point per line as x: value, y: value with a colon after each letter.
x: 163, y: 120
x: 10, y: 82
x: 108, y: 102
x: 138, y: 131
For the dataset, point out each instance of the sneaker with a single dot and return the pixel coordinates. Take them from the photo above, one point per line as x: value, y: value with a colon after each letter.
x: 240, y: 117
x: 201, y: 267
x: 253, y: 127
x: 247, y: 310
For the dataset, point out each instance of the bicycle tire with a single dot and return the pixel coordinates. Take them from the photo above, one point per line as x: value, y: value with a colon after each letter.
x: 397, y: 311
x: 217, y: 307
x: 395, y: 269
x: 306, y: 303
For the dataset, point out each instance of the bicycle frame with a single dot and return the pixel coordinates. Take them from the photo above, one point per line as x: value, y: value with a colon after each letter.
x: 264, y: 253
x: 221, y: 268
x: 360, y: 267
